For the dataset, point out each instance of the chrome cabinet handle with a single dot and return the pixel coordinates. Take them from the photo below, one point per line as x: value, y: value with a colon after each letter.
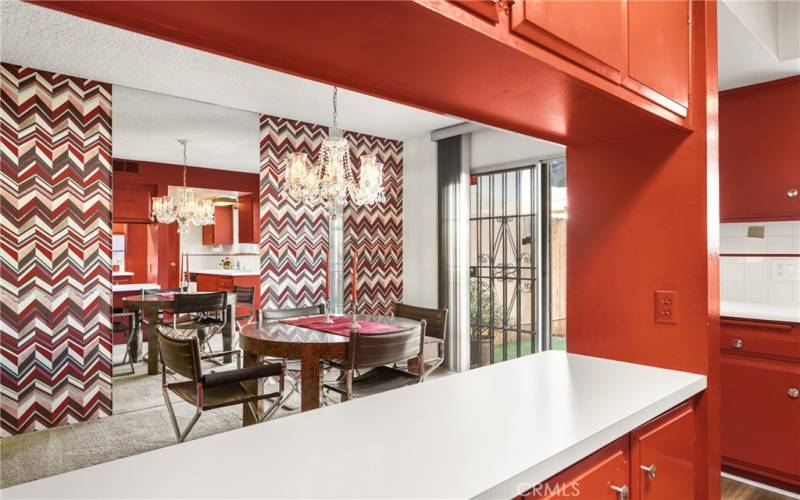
x: 737, y: 344
x: 649, y: 471
x: 793, y: 392
x: 622, y: 492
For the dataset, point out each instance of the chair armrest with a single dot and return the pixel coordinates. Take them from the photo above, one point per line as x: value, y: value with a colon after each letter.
x: 242, y: 374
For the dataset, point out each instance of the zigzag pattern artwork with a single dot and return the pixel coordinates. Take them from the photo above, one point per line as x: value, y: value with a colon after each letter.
x: 293, y: 235
x: 56, y: 249
x: 376, y: 232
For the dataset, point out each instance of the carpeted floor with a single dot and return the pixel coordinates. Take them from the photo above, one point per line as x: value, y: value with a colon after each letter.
x: 140, y: 423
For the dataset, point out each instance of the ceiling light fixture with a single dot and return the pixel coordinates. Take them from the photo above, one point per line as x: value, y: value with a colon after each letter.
x: 185, y: 208
x: 330, y: 181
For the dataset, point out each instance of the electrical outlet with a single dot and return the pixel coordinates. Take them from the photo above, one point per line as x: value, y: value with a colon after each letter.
x: 666, y: 307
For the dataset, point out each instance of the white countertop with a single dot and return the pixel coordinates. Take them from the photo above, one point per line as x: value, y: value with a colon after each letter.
x: 489, y: 432
x: 121, y: 273
x: 767, y: 312
x: 133, y: 287
x: 226, y: 272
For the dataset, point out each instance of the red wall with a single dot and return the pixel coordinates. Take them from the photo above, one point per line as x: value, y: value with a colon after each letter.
x: 643, y: 217
x: 759, y: 151
x: 163, y: 175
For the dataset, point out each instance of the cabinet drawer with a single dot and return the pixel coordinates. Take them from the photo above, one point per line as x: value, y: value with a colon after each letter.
x: 760, y: 422
x: 225, y: 283
x: 207, y: 283
x: 780, y: 340
x: 593, y: 477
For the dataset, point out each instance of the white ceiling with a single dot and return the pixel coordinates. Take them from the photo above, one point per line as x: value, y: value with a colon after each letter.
x: 47, y: 39
x: 147, y: 126
x: 759, y: 41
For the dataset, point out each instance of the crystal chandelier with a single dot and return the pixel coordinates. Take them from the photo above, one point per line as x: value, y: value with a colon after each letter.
x: 185, y: 207
x: 331, y: 180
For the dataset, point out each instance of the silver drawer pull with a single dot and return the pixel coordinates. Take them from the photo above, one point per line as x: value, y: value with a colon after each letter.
x: 737, y: 343
x: 622, y: 492
x: 793, y: 392
x: 649, y: 471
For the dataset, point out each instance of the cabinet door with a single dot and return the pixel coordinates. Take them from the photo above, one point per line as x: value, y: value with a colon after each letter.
x: 590, y: 33
x: 601, y: 476
x: 658, y: 52
x: 207, y: 283
x: 663, y: 456
x: 225, y: 283
x: 221, y: 232
x: 248, y: 219
x: 760, y: 418
x: 131, y: 203
x: 485, y: 9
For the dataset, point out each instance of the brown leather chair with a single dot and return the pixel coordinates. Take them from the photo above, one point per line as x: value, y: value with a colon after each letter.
x: 245, y: 302
x: 436, y: 332
x: 292, y: 366
x: 202, y: 313
x: 377, y: 352
x: 208, y: 391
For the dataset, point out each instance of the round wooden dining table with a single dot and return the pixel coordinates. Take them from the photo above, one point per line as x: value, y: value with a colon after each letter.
x: 282, y: 340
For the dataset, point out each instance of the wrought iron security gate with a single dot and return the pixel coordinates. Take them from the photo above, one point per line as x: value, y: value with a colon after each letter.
x: 503, y: 251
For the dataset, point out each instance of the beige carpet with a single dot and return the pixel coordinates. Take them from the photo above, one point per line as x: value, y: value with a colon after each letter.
x: 140, y: 423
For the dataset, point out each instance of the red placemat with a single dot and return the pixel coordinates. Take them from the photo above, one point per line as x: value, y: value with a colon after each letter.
x: 341, y: 325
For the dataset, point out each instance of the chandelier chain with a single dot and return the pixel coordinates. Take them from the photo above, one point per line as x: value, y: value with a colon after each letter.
x: 335, y: 107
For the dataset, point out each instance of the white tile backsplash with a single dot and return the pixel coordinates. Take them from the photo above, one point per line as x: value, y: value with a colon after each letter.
x: 762, y: 279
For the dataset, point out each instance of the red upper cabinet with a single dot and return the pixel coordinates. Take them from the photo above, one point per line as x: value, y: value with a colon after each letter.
x: 591, y: 34
x: 221, y: 232
x: 663, y: 457
x: 131, y: 203
x: 485, y: 9
x: 248, y: 219
x: 658, y: 52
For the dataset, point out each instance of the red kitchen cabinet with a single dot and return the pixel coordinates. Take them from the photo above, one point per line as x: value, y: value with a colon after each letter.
x: 221, y: 231
x: 121, y: 280
x: 658, y: 52
x: 663, y: 457
x: 131, y: 203
x: 760, y: 416
x: 485, y: 9
x: 207, y: 283
x: 249, y: 222
x: 591, y: 34
x: 602, y: 475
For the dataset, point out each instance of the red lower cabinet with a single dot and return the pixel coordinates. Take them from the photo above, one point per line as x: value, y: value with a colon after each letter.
x: 603, y: 475
x: 654, y: 462
x: 663, y: 456
x: 761, y: 417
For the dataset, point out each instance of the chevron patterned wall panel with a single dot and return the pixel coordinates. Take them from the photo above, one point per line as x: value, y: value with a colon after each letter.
x: 376, y: 232
x: 56, y: 249
x: 294, y: 236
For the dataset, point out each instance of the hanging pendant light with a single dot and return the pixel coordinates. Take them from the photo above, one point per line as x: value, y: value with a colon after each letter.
x: 185, y: 208
x: 330, y: 181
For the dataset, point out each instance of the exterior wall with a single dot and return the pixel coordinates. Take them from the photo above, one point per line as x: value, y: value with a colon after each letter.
x: 56, y: 258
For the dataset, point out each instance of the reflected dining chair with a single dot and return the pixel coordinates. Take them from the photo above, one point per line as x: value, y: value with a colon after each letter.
x: 203, y: 314
x: 292, y: 366
x: 208, y: 391
x: 435, y: 333
x: 378, y: 351
x: 124, y: 323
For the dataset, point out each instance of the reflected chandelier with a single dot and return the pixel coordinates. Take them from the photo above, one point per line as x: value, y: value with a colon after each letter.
x: 185, y: 208
x: 331, y: 180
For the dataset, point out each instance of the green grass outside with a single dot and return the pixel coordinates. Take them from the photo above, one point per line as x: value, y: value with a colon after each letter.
x: 556, y: 344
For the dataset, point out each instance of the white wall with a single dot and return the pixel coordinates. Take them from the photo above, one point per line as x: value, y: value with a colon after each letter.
x: 496, y: 147
x: 420, y: 255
